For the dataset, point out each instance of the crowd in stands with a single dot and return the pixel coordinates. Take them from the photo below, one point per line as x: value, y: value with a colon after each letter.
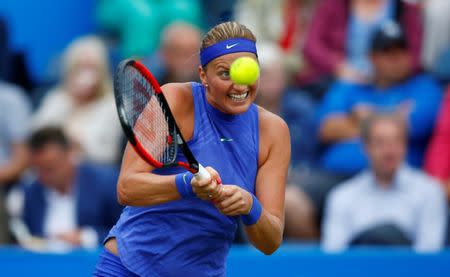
x: 364, y: 86
x: 69, y: 201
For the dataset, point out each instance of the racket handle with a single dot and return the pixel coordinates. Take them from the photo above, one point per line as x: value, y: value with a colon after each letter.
x: 202, y: 173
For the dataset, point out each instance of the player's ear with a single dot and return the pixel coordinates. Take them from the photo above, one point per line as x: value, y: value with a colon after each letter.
x: 202, y: 74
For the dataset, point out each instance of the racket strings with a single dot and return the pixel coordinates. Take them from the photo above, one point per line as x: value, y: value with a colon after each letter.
x: 148, y: 119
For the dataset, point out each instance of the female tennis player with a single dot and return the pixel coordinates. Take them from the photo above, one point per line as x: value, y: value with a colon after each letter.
x: 175, y: 225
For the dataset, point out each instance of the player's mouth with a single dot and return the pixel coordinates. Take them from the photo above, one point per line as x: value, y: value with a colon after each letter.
x: 238, y: 97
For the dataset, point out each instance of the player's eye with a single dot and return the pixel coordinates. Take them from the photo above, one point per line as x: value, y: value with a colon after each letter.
x: 224, y: 74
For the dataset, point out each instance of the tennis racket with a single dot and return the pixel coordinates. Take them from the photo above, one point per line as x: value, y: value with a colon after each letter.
x: 147, y: 121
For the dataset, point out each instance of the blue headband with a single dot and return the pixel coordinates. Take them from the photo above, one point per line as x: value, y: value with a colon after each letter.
x: 224, y: 47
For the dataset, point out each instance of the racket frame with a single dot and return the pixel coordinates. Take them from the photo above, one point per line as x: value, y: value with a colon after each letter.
x: 192, y: 164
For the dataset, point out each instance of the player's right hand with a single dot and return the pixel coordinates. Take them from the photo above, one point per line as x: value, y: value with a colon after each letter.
x: 208, y: 189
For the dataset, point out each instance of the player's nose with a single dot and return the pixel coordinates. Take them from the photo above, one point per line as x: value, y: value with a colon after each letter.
x: 240, y: 88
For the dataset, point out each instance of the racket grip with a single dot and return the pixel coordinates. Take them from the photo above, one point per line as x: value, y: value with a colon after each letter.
x: 202, y: 173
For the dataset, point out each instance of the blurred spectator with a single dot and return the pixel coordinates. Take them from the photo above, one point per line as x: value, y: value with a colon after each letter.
x: 298, y: 110
x: 390, y: 204
x: 14, y: 128
x: 416, y: 97
x: 177, y: 58
x: 436, y: 30
x: 83, y: 104
x: 338, y: 42
x: 138, y: 24
x: 69, y: 202
x: 437, y: 159
x: 284, y: 22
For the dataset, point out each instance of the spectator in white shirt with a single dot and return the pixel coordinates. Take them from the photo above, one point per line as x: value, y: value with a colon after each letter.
x: 389, y: 204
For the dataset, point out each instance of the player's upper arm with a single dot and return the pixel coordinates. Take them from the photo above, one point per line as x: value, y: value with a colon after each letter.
x: 275, y: 155
x: 181, y: 103
x: 132, y: 163
x: 176, y: 95
x: 179, y: 98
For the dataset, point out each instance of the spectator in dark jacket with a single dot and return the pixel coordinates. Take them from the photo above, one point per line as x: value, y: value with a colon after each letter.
x: 70, y: 203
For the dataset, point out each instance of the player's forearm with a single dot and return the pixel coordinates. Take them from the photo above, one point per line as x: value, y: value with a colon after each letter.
x: 146, y: 189
x: 267, y: 233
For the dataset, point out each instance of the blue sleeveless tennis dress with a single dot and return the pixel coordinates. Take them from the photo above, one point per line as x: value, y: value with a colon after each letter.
x: 189, y: 237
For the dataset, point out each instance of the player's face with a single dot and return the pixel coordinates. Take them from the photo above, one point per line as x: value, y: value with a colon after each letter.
x: 222, y: 93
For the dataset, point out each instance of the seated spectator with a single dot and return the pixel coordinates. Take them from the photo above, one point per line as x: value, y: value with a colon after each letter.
x: 14, y: 127
x: 339, y: 37
x: 415, y: 97
x: 389, y: 204
x: 176, y: 60
x: 437, y: 159
x: 83, y: 104
x: 69, y: 202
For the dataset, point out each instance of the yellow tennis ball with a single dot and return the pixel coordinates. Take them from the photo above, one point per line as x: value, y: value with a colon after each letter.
x: 244, y: 71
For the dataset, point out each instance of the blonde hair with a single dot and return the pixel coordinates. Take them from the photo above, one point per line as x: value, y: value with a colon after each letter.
x: 77, y: 49
x: 226, y: 30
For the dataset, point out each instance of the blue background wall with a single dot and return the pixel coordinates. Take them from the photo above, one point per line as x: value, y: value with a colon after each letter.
x: 45, y: 27
x: 289, y: 260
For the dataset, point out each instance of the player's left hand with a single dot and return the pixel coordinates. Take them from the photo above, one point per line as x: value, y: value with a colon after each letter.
x: 234, y: 201
x: 208, y: 189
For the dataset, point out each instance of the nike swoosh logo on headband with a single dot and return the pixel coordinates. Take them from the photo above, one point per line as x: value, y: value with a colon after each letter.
x: 231, y: 46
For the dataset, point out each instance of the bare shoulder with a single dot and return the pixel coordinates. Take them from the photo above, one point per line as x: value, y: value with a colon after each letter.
x: 181, y: 103
x: 273, y: 136
x: 174, y: 91
x: 178, y: 96
x: 271, y: 124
